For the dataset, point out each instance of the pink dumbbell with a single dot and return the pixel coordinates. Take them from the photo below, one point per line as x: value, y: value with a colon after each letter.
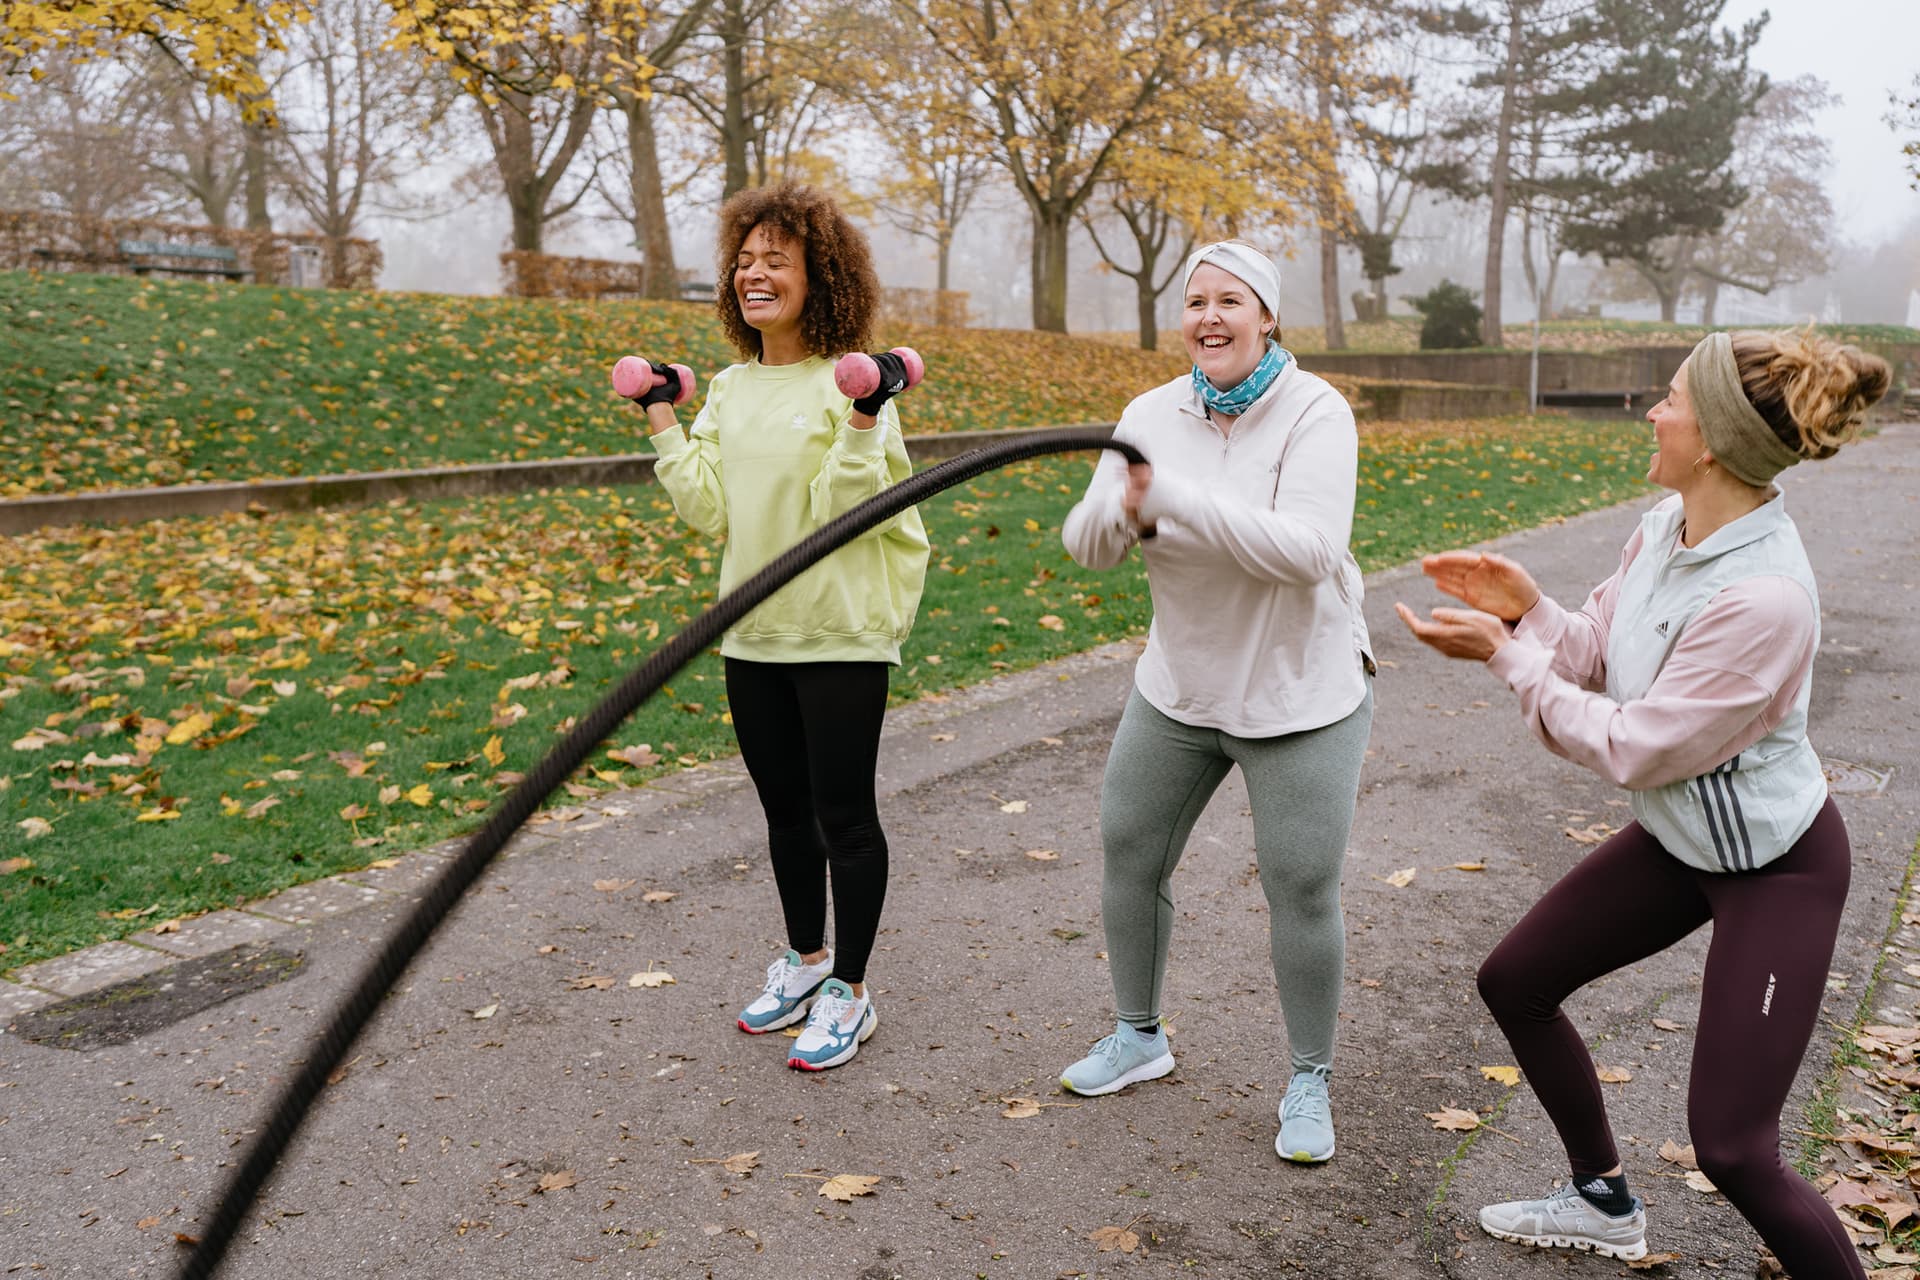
x: 634, y: 377
x: 858, y: 374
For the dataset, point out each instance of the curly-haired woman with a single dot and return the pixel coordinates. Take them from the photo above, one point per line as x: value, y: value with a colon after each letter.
x: 777, y: 452
x: 1685, y: 679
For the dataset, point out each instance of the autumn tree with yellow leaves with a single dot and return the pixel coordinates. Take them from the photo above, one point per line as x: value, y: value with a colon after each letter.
x: 1059, y: 88
x: 220, y: 40
x: 1237, y: 162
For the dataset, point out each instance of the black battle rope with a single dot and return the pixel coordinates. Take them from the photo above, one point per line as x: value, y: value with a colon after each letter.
x: 384, y: 970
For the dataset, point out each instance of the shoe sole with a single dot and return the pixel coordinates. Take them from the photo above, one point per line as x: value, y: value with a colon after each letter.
x: 1160, y: 1066
x: 1302, y: 1156
x: 1625, y: 1252
x: 866, y: 1030
x: 794, y: 1015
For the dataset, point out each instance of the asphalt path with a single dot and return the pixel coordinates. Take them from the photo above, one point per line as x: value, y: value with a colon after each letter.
x: 583, y: 1125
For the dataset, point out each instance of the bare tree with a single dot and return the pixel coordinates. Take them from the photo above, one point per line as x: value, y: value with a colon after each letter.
x: 74, y: 144
x: 643, y: 206
x: 354, y: 116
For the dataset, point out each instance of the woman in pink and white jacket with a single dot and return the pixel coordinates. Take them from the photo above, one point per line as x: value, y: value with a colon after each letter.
x: 1685, y: 678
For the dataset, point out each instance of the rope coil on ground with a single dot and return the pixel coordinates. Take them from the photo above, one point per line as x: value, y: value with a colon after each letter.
x: 443, y: 894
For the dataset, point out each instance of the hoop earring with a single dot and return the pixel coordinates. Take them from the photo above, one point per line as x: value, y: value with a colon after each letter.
x: 1706, y: 458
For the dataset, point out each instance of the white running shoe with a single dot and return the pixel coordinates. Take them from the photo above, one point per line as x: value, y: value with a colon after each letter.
x: 1564, y: 1220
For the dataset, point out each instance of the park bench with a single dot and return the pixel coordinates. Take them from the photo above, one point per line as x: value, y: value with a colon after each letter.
x: 200, y: 259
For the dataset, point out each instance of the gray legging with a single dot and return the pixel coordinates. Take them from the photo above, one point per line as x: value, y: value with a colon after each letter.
x: 1160, y: 775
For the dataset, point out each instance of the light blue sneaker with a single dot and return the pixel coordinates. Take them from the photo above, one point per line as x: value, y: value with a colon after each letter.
x: 840, y: 1021
x: 1123, y: 1058
x: 789, y: 993
x: 1306, y: 1120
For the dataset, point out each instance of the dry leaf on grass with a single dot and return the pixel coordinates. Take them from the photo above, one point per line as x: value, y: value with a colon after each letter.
x: 635, y: 757
x: 1881, y: 1199
x: 1508, y: 1076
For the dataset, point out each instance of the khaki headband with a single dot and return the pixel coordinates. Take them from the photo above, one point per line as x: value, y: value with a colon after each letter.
x: 1737, y: 436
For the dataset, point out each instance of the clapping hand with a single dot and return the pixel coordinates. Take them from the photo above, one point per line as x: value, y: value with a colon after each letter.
x: 1484, y: 581
x: 1457, y: 633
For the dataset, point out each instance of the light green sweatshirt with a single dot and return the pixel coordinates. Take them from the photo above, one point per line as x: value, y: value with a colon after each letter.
x: 769, y: 460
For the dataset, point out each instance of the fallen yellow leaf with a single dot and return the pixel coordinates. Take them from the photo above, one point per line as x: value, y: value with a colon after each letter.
x: 189, y: 729
x: 1453, y: 1118
x: 845, y: 1186
x: 1508, y: 1076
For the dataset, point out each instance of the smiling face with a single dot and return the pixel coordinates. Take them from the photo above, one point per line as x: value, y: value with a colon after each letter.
x: 1224, y: 326
x: 770, y: 283
x: 1676, y: 433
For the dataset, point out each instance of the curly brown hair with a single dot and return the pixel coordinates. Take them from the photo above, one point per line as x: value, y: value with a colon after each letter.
x: 843, y: 291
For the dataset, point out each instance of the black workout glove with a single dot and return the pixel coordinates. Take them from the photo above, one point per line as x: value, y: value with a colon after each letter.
x: 893, y: 380
x: 666, y: 392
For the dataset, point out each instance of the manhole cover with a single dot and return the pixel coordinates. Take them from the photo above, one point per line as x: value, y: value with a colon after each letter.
x: 1844, y: 778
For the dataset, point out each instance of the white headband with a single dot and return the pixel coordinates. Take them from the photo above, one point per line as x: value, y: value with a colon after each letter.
x: 1244, y: 262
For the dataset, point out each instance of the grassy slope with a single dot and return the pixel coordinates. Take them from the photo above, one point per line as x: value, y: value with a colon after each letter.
x: 197, y: 712
x: 1402, y: 333
x: 110, y: 381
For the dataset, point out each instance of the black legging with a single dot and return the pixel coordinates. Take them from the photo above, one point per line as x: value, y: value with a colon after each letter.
x: 1773, y: 933
x: 809, y: 733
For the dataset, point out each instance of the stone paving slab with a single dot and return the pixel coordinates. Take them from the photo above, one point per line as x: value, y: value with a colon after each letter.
x: 400, y: 874
x: 306, y: 903
x: 215, y: 931
x: 15, y: 998
x: 97, y: 966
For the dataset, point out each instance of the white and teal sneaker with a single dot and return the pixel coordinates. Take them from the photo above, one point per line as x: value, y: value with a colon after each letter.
x: 839, y: 1022
x: 1123, y: 1058
x: 789, y: 993
x: 1306, y: 1120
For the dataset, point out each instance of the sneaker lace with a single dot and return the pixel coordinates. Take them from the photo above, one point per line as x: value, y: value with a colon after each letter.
x: 829, y: 1008
x: 777, y: 978
x: 1303, y: 1096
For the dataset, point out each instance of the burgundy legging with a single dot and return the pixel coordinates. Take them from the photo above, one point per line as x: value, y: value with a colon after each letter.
x: 809, y: 733
x: 1773, y: 932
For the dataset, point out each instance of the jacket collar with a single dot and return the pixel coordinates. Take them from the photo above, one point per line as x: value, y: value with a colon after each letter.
x: 1193, y: 406
x: 1764, y: 520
